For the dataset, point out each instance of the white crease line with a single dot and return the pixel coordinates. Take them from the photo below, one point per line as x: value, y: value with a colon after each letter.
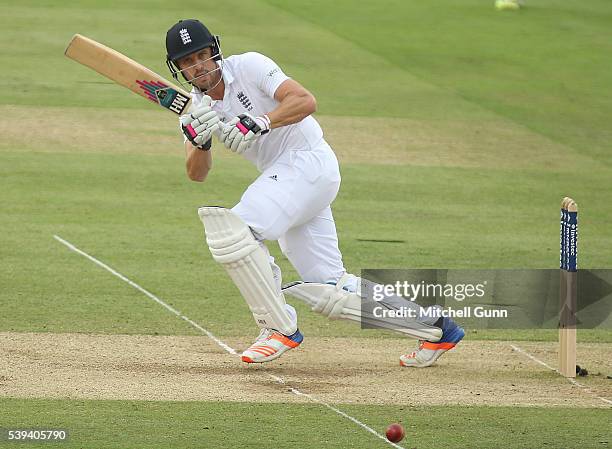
x: 340, y: 412
x: 331, y: 407
x: 569, y: 379
x: 215, y: 339
x: 149, y: 294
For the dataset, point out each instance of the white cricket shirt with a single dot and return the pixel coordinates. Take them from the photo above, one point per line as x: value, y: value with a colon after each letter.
x: 250, y: 82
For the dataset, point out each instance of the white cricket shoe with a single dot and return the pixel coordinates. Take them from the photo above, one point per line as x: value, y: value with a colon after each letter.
x: 271, y: 345
x: 428, y: 352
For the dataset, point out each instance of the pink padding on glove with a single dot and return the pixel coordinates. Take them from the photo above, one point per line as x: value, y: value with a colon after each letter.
x: 191, y: 131
x: 242, y: 129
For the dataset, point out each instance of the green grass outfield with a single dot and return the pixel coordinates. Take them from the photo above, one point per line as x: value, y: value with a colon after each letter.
x: 86, y: 160
x: 120, y: 424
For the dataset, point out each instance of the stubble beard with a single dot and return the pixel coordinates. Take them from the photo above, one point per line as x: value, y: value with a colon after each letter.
x: 208, y: 81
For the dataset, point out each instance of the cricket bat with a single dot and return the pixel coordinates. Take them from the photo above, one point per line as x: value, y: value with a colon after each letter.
x: 128, y: 73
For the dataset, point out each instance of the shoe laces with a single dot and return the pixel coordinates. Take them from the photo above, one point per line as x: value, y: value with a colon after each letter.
x: 265, y: 334
x: 413, y: 354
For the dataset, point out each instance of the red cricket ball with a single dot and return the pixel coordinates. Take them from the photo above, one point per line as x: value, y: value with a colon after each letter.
x: 395, y: 433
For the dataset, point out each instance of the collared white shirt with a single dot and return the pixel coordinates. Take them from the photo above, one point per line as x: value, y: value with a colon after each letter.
x: 251, y: 79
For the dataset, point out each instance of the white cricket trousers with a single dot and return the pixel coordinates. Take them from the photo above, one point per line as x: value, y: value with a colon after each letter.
x: 290, y: 202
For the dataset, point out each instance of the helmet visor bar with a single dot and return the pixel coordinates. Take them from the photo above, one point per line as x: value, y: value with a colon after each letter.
x: 219, y: 67
x: 191, y: 80
x: 182, y: 70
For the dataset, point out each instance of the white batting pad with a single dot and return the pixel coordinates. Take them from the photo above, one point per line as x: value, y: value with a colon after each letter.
x: 337, y: 303
x: 232, y: 244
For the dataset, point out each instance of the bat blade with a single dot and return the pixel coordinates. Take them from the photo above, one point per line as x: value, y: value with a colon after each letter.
x: 128, y: 73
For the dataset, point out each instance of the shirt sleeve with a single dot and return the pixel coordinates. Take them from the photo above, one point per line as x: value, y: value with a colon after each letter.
x: 263, y: 72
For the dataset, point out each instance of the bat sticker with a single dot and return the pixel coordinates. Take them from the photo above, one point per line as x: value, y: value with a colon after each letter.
x: 164, y: 95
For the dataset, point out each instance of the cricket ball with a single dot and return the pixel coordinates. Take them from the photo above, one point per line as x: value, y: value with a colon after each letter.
x: 395, y: 433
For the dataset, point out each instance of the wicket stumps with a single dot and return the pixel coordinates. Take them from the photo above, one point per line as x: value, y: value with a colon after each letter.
x: 568, y: 291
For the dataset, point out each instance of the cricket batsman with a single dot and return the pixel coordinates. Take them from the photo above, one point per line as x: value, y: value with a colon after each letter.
x: 248, y: 103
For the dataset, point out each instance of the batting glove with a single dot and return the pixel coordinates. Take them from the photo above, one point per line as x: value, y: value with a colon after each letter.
x: 200, y: 124
x: 239, y: 133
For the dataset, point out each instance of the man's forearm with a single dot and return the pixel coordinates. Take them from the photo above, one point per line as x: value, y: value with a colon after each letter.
x: 198, y: 162
x: 292, y: 109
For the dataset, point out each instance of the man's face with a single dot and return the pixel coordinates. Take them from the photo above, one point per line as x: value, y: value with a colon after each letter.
x: 200, y: 69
